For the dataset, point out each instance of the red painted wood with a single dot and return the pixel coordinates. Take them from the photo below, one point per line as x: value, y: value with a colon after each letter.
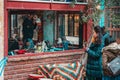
x: 28, y: 5
x: 85, y: 32
x: 43, y: 6
x: 89, y: 29
x: 5, y: 30
x: 67, y: 7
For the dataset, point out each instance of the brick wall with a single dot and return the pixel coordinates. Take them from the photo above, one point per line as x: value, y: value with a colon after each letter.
x: 18, y: 67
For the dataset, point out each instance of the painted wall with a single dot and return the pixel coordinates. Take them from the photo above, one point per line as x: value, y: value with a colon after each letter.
x: 1, y: 32
x: 102, y: 18
x: 48, y: 26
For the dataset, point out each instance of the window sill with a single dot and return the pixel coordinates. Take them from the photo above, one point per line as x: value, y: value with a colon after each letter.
x: 42, y: 55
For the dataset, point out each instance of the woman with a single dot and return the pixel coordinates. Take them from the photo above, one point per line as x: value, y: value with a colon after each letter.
x: 107, y: 38
x: 94, y: 60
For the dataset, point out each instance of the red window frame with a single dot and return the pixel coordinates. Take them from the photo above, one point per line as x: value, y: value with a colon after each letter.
x: 16, y: 5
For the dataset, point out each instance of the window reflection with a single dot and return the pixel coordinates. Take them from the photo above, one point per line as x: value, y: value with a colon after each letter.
x: 76, y: 24
x: 68, y: 24
x: 66, y: 28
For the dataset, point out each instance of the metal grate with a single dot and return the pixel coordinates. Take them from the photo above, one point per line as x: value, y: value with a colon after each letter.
x: 115, y: 22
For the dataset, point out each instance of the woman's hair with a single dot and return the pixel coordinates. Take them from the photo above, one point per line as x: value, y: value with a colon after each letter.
x: 98, y: 38
x: 97, y: 29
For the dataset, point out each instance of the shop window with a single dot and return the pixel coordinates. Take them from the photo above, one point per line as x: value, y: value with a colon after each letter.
x: 66, y: 29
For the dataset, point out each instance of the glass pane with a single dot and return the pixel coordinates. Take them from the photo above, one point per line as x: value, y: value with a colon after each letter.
x: 66, y: 24
x: 61, y: 24
x: 76, y: 25
x: 70, y: 25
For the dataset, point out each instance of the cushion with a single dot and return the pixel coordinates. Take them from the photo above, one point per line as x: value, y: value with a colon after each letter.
x: 58, y: 77
x: 22, y: 51
x: 69, y: 71
x: 35, y: 76
x: 47, y: 70
x: 45, y: 79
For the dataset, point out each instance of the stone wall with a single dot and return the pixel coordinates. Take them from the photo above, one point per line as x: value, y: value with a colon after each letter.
x: 1, y: 28
x: 1, y: 36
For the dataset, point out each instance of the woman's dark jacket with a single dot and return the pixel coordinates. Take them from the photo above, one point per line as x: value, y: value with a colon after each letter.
x: 94, y: 61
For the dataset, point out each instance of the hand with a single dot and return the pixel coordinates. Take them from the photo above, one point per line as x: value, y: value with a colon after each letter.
x: 84, y: 45
x: 85, y: 49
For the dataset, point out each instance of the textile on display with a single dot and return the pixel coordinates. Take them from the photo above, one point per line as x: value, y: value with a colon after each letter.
x: 68, y: 71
